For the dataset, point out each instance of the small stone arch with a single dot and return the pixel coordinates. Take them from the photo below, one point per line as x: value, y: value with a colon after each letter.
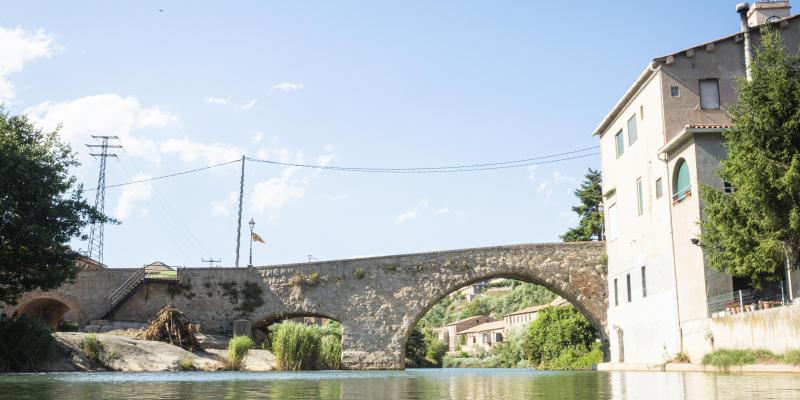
x: 49, y: 307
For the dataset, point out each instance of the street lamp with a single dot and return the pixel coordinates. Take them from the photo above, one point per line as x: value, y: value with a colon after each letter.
x: 252, y: 224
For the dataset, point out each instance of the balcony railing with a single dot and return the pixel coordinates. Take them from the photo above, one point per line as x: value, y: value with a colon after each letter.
x: 771, y: 295
x: 681, y: 195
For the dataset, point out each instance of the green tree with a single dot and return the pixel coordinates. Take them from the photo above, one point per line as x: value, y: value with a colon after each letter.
x: 559, y: 337
x: 755, y: 231
x: 41, y: 209
x: 590, y: 223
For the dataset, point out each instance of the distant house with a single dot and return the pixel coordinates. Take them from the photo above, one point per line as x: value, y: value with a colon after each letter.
x: 470, y: 292
x: 483, y: 336
x: 449, y: 332
x: 526, y: 315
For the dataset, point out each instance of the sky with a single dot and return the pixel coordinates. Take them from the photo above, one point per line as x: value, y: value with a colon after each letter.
x: 188, y: 84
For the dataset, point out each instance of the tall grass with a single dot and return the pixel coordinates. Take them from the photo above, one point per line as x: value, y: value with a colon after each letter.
x: 726, y: 358
x: 302, y: 347
x: 238, y: 347
x: 92, y: 347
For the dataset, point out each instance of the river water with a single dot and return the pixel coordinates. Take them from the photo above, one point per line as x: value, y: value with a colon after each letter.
x: 477, y: 384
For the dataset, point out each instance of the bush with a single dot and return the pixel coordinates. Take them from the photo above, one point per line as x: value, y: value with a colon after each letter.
x: 559, y: 338
x: 330, y: 351
x: 238, y: 347
x: 313, y: 279
x: 792, y: 357
x: 186, y: 364
x: 726, y: 358
x: 25, y: 344
x: 92, y: 347
x: 68, y: 326
x: 359, y: 273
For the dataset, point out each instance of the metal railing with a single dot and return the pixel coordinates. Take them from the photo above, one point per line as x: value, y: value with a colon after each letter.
x: 117, y: 295
x: 682, y: 194
x: 772, y: 294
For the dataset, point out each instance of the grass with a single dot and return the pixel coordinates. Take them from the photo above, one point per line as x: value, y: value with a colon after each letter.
x: 792, y: 357
x: 164, y: 275
x: 186, y: 364
x: 313, y: 279
x: 92, y: 347
x: 726, y: 358
x: 359, y: 273
x: 238, y: 347
x: 302, y: 347
x: 330, y: 351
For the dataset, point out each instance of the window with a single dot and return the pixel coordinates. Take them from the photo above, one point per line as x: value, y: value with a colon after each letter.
x: 641, y: 112
x: 628, y: 282
x: 640, y: 196
x: 619, y: 139
x: 659, y: 190
x: 709, y: 94
x: 728, y: 188
x: 644, y: 282
x: 682, y: 187
x: 616, y: 293
x: 611, y: 229
x: 632, y: 134
x: 675, y: 91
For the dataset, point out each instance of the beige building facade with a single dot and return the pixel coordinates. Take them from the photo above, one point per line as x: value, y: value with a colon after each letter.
x: 659, y: 143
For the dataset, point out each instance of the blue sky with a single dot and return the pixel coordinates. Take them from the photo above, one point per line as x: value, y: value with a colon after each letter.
x: 385, y: 84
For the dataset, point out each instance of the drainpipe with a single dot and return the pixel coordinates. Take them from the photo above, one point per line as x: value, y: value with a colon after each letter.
x: 742, y: 9
x: 674, y: 262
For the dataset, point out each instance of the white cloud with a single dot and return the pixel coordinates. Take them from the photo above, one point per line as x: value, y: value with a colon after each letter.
x: 218, y: 100
x: 18, y: 47
x: 222, y: 208
x: 406, y: 216
x: 442, y: 211
x: 288, y: 86
x: 105, y: 114
x: 127, y: 203
x: 531, y: 170
x: 411, y: 213
x: 213, y: 153
x: 250, y: 104
x: 274, y: 193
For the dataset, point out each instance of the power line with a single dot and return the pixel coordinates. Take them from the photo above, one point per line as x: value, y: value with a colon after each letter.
x: 166, y: 176
x: 430, y: 170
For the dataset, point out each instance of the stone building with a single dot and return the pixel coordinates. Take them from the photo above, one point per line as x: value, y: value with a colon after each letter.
x: 449, y: 333
x: 527, y: 315
x: 482, y: 337
x: 659, y: 143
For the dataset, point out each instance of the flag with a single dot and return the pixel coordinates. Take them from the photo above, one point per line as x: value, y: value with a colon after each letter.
x: 254, y: 237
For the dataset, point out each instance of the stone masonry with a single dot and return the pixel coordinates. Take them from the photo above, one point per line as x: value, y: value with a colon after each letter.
x: 378, y: 300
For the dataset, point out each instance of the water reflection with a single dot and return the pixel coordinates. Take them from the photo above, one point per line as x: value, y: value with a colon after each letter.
x: 478, y: 384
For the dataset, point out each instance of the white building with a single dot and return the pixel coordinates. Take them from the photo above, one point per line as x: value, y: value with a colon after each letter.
x: 659, y: 142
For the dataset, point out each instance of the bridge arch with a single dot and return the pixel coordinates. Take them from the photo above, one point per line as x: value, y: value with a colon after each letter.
x: 49, y: 307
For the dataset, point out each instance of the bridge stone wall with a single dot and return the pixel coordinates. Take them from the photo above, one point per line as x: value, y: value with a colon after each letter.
x: 377, y: 300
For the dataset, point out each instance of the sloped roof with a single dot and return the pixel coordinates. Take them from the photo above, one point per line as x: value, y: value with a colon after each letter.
x: 489, y: 326
x: 470, y: 318
x: 555, y: 303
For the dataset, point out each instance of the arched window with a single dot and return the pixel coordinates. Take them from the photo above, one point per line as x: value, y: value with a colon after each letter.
x: 681, y: 185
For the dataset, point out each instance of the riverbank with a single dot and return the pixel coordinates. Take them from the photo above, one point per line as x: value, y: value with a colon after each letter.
x: 122, y: 353
x: 686, y: 367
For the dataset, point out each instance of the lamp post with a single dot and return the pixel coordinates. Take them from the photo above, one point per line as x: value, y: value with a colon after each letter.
x: 252, y: 224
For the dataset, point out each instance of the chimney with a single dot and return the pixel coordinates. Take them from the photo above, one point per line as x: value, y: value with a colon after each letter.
x: 744, y: 10
x: 764, y: 11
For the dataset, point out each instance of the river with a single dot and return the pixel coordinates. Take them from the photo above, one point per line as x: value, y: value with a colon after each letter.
x: 473, y: 384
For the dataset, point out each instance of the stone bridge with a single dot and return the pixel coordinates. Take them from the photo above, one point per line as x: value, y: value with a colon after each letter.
x: 377, y: 300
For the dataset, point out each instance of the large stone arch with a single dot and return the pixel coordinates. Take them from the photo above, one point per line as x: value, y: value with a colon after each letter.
x: 50, y: 307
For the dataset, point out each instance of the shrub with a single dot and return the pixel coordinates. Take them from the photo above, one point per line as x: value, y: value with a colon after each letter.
x: 792, y: 357
x: 92, y: 347
x: 330, y: 351
x: 68, y: 326
x: 186, y: 364
x: 313, y: 279
x: 725, y: 358
x: 559, y: 338
x: 297, y: 280
x: 238, y: 347
x: 25, y: 344
x: 360, y: 273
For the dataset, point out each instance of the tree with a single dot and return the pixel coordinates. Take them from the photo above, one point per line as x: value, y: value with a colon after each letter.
x: 755, y: 231
x: 559, y: 337
x: 590, y: 224
x: 41, y: 209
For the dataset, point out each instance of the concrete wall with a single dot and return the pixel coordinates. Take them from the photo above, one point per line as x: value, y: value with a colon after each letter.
x: 377, y: 311
x: 776, y: 330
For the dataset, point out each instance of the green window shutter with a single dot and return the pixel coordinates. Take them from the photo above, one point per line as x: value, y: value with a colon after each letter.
x: 682, y: 182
